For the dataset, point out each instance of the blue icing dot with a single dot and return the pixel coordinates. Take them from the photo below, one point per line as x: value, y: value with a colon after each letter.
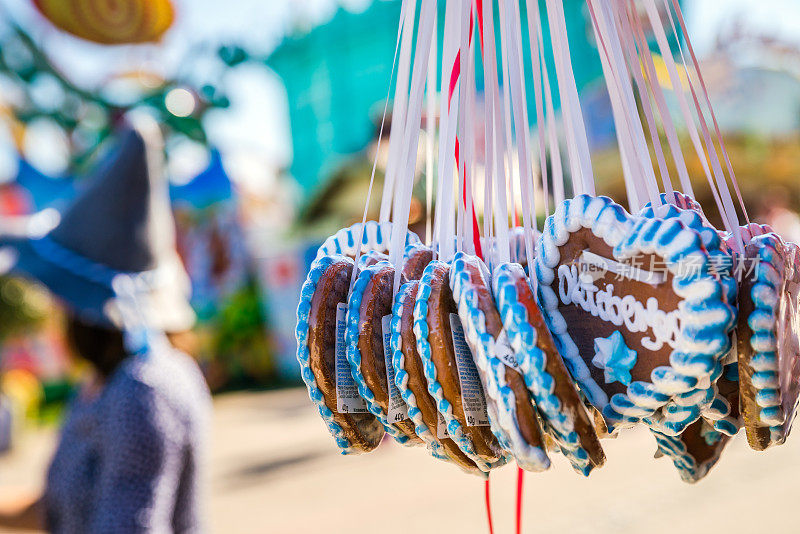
x: 614, y: 356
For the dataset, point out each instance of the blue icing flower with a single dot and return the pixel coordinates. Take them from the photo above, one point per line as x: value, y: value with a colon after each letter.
x: 710, y: 435
x: 614, y: 356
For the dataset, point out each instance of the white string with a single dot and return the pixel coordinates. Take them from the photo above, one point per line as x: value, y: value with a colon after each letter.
x: 577, y: 143
x: 512, y: 29
x: 400, y: 30
x: 658, y: 94
x: 447, y: 134
x: 414, y: 117
x: 541, y: 125
x: 634, y: 66
x: 430, y: 121
x: 555, y: 151
x: 735, y: 183
x: 495, y: 138
x: 728, y: 217
x: 399, y: 107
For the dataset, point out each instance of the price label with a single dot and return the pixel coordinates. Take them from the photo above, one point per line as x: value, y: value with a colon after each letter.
x: 441, y: 427
x: 503, y: 351
x: 347, y: 398
x: 398, y: 411
x: 473, y: 399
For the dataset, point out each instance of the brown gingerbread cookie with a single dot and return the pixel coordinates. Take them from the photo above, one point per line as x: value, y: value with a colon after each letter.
x: 514, y: 420
x: 767, y: 335
x: 558, y: 401
x: 453, y: 380
x: 410, y: 380
x: 321, y: 354
x: 368, y: 331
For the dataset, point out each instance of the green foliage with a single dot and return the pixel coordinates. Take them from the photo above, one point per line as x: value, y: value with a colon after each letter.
x: 23, y: 306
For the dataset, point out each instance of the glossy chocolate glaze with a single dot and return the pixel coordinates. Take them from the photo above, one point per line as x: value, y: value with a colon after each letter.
x: 416, y: 262
x: 527, y: 420
x: 759, y: 435
x: 418, y: 384
x: 331, y: 290
x: 375, y: 304
x: 564, y: 386
x: 583, y: 327
x: 440, y: 306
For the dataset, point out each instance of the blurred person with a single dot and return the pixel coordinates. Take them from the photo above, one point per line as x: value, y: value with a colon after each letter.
x: 131, y: 453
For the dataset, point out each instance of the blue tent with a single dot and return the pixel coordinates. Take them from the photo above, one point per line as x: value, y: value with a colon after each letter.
x: 207, y: 188
x: 44, y: 191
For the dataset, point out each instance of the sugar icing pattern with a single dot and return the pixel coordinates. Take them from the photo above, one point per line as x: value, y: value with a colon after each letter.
x: 675, y: 449
x: 401, y: 377
x: 766, y: 295
x: 318, y: 268
x: 505, y: 427
x: 354, y: 353
x: 376, y: 237
x: 708, y: 403
x: 422, y: 331
x: 559, y: 421
x: 704, y: 314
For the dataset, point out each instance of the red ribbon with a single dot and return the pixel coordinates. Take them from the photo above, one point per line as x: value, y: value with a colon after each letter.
x: 488, y: 505
x: 520, y: 484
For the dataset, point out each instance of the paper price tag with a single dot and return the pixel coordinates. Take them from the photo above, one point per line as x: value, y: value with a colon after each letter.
x: 503, y: 351
x: 398, y: 411
x: 347, y: 398
x: 472, y: 396
x: 441, y: 427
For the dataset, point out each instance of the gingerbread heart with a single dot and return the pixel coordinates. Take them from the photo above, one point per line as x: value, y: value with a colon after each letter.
x: 517, y: 425
x: 633, y: 308
x: 321, y: 354
x: 558, y: 402
x: 413, y: 385
x: 416, y: 257
x: 453, y: 379
x: 767, y: 335
x: 695, y: 451
x: 368, y: 317
x: 705, y: 401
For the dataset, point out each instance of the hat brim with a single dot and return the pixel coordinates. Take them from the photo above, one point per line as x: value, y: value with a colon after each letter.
x: 165, y: 307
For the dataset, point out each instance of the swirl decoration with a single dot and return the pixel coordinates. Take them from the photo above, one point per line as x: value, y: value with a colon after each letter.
x: 110, y: 21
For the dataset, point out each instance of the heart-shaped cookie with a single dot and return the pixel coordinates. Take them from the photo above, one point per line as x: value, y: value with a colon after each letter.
x: 706, y: 400
x: 767, y: 335
x: 453, y: 379
x: 321, y: 354
x: 369, y: 307
x: 413, y: 386
x: 557, y: 400
x: 517, y: 425
x: 416, y: 257
x: 695, y: 451
x: 633, y: 308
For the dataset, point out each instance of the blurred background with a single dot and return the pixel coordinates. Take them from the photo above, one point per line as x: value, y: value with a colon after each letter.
x: 271, y: 112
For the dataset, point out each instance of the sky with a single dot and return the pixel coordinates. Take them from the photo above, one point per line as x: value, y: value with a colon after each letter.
x: 254, y: 133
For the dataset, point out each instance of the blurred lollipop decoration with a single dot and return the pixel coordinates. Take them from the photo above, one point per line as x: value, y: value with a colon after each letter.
x: 110, y: 21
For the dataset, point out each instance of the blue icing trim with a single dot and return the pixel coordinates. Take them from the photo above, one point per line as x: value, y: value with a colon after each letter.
x: 684, y: 461
x: 421, y: 331
x: 318, y: 268
x: 614, y: 357
x: 492, y: 370
x: 401, y: 380
x: 763, y: 323
x: 354, y: 353
x: 558, y: 420
x: 706, y: 317
x: 376, y: 237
